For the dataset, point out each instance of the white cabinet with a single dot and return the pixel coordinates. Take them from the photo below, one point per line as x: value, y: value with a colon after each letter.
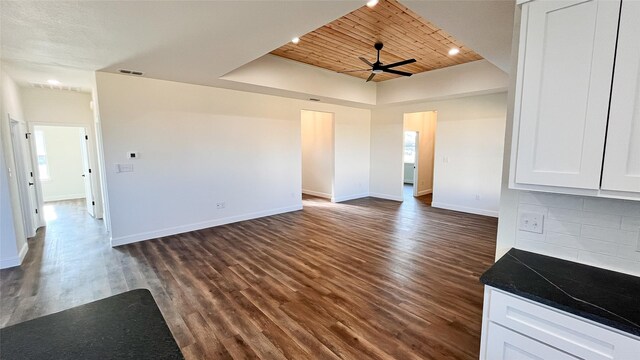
x: 516, y: 328
x: 567, y: 53
x: 504, y: 344
x: 622, y: 155
x: 564, y: 93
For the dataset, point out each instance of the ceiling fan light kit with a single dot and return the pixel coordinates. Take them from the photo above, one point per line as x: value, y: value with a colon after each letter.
x: 378, y: 67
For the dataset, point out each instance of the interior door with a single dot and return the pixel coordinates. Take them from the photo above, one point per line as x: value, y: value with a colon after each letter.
x: 87, y: 172
x: 416, y: 166
x: 25, y: 175
x: 622, y: 155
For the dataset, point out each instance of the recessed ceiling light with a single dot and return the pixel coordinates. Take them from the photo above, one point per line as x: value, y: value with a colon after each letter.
x: 454, y: 51
x: 295, y: 40
x: 53, y: 82
x: 372, y: 3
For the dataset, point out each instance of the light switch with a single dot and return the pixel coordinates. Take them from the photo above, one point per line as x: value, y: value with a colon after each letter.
x: 120, y: 168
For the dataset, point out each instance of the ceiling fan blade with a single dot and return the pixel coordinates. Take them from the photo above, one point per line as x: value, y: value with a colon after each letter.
x: 399, y: 63
x: 403, y: 73
x: 370, y: 77
x: 366, y: 61
x: 349, y: 71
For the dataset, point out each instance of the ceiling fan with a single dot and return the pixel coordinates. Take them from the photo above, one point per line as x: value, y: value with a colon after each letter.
x: 378, y: 67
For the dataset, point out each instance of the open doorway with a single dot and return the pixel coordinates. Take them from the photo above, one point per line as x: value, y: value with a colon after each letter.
x: 64, y: 170
x: 317, y: 142
x: 418, y: 153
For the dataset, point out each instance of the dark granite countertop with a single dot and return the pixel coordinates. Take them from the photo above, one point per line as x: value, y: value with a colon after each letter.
x: 124, y: 326
x: 600, y: 295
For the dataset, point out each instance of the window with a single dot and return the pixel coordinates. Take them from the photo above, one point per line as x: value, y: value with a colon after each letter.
x: 410, y: 147
x: 41, y: 152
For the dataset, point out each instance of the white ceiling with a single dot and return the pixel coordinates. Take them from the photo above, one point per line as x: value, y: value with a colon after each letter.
x: 486, y: 26
x: 200, y: 41
x: 187, y: 41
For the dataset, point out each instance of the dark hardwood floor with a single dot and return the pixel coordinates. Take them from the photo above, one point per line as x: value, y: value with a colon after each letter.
x: 365, y: 279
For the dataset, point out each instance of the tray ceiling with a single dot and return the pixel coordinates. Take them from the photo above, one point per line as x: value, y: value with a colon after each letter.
x: 405, y: 35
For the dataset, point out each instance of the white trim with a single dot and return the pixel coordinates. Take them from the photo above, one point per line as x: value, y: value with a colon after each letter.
x: 349, y: 197
x: 465, y: 209
x: 23, y: 252
x: 123, y: 240
x: 65, y: 197
x: 317, y: 193
x: 16, y: 260
x: 387, y: 197
x: 425, y: 192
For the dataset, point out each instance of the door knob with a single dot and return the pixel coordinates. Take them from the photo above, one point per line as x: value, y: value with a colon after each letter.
x: 30, y: 184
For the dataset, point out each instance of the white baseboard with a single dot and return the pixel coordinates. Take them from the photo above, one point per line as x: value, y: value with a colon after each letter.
x: 386, y: 196
x: 465, y: 209
x: 316, y: 193
x: 123, y: 240
x: 425, y: 192
x: 64, y: 197
x: 16, y: 260
x: 349, y: 197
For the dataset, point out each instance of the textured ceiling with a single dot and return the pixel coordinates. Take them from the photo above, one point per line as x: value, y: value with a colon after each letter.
x: 337, y: 45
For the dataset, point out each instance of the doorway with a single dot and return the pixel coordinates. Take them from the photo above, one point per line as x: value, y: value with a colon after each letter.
x: 64, y: 170
x: 317, y: 143
x: 418, y: 153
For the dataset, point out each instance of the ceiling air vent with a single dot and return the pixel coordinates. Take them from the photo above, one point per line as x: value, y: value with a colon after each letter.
x: 131, y: 72
x: 59, y: 87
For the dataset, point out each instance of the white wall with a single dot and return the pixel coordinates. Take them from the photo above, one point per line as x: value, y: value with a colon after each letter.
x: 352, y: 153
x: 200, y: 145
x: 45, y: 106
x: 474, y: 78
x: 64, y: 160
x: 468, y: 152
x: 425, y: 124
x: 408, y: 173
x: 317, y: 153
x: 293, y: 77
x: 13, y: 243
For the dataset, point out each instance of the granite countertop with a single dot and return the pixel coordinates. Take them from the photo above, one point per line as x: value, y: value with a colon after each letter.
x: 123, y: 326
x: 600, y: 295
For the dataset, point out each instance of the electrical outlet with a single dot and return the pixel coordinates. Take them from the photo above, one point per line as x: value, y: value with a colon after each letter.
x: 220, y: 205
x: 477, y: 196
x: 531, y: 222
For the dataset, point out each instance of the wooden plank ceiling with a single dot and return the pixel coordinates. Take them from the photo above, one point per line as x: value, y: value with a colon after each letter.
x: 405, y: 35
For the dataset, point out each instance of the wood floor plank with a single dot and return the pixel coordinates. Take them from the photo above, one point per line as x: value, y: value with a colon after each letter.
x: 367, y: 278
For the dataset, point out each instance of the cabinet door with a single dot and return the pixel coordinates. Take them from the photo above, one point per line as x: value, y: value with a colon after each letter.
x: 622, y: 155
x: 504, y: 344
x: 567, y: 52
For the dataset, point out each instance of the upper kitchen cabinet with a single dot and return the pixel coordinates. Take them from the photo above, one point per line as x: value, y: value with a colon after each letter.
x: 622, y: 155
x: 566, y: 56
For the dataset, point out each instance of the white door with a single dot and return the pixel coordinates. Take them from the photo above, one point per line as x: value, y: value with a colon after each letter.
x: 416, y: 166
x: 87, y: 172
x: 25, y: 175
x: 567, y: 53
x: 504, y: 344
x: 622, y: 155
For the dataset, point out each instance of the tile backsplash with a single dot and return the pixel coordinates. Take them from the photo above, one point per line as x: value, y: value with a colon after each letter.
x: 595, y: 231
